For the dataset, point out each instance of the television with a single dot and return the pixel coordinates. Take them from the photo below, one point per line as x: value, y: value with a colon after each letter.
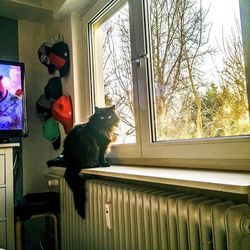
x: 13, y: 115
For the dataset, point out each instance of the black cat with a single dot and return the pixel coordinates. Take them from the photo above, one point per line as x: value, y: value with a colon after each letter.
x: 85, y: 147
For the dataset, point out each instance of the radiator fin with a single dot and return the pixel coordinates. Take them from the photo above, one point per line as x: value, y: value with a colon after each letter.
x: 144, y: 218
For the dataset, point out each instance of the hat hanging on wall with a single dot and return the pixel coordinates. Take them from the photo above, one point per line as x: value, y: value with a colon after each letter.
x: 51, y: 132
x: 55, y: 56
x: 59, y: 56
x: 43, y: 106
x: 53, y: 89
x: 43, y: 54
x: 62, y: 112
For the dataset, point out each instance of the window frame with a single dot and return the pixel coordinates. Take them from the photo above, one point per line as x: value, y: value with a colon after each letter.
x: 232, y: 153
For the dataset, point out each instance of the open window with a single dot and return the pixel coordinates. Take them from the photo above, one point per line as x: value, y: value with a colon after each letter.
x: 177, y: 73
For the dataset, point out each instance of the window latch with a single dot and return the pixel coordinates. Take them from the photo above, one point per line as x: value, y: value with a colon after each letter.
x: 137, y: 59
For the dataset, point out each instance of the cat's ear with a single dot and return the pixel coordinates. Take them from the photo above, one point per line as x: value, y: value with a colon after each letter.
x: 112, y: 107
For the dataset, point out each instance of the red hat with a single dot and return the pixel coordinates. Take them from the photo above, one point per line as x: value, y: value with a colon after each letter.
x: 62, y: 112
x: 59, y: 56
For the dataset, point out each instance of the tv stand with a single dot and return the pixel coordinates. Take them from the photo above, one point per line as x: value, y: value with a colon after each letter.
x: 7, y: 240
x: 4, y: 140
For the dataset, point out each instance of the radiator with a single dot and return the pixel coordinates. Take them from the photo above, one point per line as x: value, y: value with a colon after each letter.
x: 133, y: 217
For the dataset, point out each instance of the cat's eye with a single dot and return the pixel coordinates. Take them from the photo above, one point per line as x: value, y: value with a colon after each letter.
x: 109, y: 116
x: 102, y: 118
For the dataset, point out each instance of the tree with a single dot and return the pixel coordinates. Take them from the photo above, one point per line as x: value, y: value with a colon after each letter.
x: 233, y: 82
x: 118, y: 71
x: 179, y: 42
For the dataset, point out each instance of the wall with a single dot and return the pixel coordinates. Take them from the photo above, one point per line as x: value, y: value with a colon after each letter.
x: 36, y: 149
x: 73, y: 84
x: 8, y: 39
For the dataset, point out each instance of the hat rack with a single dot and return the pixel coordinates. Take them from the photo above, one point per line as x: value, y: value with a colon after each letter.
x: 60, y: 37
x: 55, y: 39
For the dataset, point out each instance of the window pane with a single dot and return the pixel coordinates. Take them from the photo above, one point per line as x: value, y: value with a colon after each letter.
x: 113, y: 69
x: 199, y: 83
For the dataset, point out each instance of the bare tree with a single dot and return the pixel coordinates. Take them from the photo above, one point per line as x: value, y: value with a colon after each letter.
x: 179, y: 36
x: 233, y: 73
x: 118, y: 71
x: 233, y: 82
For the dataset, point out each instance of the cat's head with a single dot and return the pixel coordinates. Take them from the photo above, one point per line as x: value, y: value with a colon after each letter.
x: 105, y: 118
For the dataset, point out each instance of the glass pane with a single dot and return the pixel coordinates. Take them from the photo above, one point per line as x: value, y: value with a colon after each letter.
x: 199, y: 83
x: 113, y: 69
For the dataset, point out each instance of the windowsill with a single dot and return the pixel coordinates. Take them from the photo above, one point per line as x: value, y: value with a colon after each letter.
x: 223, y: 181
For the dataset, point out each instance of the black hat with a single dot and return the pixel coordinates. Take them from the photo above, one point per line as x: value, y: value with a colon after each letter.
x: 57, y: 143
x: 43, y: 54
x: 59, y: 56
x: 53, y: 89
x: 43, y: 106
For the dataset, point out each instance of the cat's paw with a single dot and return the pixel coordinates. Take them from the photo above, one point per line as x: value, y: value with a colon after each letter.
x: 105, y: 164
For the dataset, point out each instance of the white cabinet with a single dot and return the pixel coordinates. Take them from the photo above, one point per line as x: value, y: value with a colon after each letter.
x: 7, y: 197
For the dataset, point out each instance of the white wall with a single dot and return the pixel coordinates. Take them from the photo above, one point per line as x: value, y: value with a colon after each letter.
x: 73, y: 84
x: 36, y: 149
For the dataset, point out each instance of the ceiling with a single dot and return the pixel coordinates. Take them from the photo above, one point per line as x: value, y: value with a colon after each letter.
x: 41, y: 10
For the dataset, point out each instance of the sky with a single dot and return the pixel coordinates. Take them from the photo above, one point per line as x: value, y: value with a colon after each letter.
x: 222, y: 15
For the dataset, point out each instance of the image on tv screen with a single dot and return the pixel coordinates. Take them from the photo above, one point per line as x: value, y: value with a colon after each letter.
x: 11, y: 113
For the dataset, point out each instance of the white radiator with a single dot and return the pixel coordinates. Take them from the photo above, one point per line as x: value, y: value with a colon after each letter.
x: 126, y: 216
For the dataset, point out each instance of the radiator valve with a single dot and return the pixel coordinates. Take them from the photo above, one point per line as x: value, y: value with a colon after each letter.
x: 53, y: 182
x: 107, y: 215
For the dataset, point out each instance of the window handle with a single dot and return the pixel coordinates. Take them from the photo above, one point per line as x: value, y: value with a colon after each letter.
x: 137, y: 59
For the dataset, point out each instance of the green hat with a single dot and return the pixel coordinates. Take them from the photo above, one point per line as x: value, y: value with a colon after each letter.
x: 51, y: 130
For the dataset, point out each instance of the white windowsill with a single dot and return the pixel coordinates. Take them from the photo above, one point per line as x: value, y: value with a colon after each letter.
x: 224, y: 181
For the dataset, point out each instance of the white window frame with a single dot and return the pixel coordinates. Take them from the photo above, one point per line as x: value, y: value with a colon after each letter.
x: 215, y: 153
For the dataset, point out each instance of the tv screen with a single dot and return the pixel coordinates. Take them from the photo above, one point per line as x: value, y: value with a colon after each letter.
x: 13, y: 120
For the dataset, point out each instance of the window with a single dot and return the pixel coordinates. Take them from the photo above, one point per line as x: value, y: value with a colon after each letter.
x: 176, y: 72
x: 113, y: 68
x: 199, y: 82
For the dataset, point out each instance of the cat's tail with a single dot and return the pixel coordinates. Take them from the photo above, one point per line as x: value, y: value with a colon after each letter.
x: 77, y: 186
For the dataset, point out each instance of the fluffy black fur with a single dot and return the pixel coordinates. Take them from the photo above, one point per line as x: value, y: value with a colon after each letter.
x: 85, y: 147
